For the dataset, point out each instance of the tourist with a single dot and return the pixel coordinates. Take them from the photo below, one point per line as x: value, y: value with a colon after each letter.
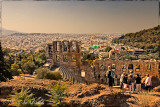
x: 138, y: 83
x: 131, y: 83
x: 110, y: 75
x: 125, y: 78
x: 121, y: 80
x: 148, y: 83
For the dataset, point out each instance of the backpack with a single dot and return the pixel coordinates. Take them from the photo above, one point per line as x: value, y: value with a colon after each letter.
x: 111, y: 74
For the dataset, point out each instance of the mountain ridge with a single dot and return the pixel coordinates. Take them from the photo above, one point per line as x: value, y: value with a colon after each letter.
x: 144, y: 39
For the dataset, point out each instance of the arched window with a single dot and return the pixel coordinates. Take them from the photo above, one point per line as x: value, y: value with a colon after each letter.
x: 113, y: 66
x: 65, y: 58
x: 148, y: 66
x: 65, y: 46
x: 57, y: 58
x: 130, y: 66
x: 73, y: 58
x: 123, y: 66
x: 137, y: 68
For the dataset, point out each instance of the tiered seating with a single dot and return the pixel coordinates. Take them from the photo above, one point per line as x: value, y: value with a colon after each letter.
x: 67, y: 75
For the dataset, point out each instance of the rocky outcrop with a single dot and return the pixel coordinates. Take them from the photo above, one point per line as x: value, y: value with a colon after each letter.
x: 112, y: 99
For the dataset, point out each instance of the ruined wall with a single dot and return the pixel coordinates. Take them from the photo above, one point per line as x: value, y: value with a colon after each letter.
x: 68, y: 54
x: 136, y: 66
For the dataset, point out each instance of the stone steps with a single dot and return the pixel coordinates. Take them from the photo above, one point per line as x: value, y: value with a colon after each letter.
x: 67, y: 75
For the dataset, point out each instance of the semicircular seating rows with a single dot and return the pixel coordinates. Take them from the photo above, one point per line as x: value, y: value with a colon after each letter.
x: 67, y: 75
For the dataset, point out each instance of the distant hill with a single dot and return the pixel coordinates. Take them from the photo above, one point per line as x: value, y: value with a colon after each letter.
x: 144, y: 39
x: 8, y: 32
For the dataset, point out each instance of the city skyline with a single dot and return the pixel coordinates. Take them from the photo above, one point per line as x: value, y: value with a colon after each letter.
x: 79, y: 17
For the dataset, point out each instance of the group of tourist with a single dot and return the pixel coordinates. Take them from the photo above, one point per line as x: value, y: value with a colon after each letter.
x: 129, y: 81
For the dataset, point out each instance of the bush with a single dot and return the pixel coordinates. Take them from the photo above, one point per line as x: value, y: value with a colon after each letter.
x: 29, y: 67
x: 25, y: 99
x: 42, y: 73
x: 53, y: 75
x: 16, y: 73
x: 45, y: 73
x: 57, y: 94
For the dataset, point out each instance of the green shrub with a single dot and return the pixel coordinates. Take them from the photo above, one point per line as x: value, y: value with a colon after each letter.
x: 29, y: 67
x: 45, y: 73
x: 42, y: 73
x: 25, y: 98
x: 53, y: 75
x: 57, y: 94
x: 57, y: 75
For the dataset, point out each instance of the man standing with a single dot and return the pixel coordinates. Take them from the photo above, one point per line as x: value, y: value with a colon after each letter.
x: 138, y: 83
x: 110, y: 75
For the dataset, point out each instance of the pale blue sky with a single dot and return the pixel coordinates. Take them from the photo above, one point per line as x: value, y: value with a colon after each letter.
x: 79, y: 16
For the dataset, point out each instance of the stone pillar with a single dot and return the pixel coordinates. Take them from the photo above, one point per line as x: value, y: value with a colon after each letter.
x: 54, y: 52
x: 62, y: 46
x: 70, y: 52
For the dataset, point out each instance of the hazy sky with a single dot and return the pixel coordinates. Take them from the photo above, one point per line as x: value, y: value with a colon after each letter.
x: 79, y: 16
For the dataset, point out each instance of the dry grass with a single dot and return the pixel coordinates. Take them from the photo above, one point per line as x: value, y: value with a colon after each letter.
x: 144, y: 99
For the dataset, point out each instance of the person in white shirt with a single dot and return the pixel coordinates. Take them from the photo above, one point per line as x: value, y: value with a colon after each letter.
x: 121, y: 80
x: 148, y: 83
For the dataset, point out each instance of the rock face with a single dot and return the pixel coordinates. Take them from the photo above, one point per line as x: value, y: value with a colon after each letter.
x: 96, y: 95
x: 114, y: 99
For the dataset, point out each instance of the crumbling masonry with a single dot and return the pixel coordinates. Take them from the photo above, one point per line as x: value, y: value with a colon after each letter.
x: 68, y: 55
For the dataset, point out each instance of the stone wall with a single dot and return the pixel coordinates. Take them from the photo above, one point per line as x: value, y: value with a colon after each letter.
x: 68, y: 54
x: 136, y: 66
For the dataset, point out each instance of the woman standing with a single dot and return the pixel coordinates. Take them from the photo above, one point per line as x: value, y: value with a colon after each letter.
x: 131, y: 81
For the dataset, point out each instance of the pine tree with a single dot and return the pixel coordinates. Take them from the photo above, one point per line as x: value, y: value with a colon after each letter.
x: 4, y: 73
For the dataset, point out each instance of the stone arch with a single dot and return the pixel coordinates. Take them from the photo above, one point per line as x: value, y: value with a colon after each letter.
x: 130, y: 68
x: 65, y: 58
x: 113, y: 66
x: 50, y: 51
x: 124, y: 68
x: 74, y: 59
x: 65, y: 46
x: 149, y: 66
x: 58, y: 58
